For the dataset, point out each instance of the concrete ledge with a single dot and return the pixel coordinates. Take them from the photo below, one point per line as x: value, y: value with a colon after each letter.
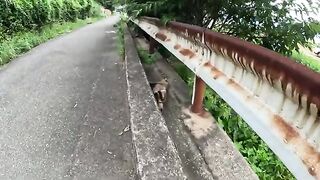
x: 157, y: 157
x: 193, y: 163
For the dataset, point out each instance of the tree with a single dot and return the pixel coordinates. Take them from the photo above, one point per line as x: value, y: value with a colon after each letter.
x: 106, y: 3
x: 264, y: 22
x: 109, y: 4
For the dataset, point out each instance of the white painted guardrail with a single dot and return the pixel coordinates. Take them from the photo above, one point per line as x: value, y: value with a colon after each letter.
x: 277, y: 97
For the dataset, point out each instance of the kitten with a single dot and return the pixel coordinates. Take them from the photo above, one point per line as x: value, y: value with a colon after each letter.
x: 160, y: 92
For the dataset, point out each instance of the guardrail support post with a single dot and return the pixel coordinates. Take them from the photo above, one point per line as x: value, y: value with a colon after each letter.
x: 198, y: 95
x: 152, y: 45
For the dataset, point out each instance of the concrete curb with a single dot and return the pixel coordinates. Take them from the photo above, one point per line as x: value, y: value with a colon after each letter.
x: 193, y: 162
x: 157, y: 157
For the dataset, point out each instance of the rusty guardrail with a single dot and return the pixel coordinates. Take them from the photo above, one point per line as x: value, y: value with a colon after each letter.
x: 277, y: 97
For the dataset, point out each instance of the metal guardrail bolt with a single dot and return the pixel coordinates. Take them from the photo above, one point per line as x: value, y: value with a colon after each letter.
x: 200, y: 89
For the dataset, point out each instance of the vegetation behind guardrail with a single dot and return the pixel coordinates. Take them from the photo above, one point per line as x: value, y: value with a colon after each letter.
x: 269, y: 24
x: 311, y: 62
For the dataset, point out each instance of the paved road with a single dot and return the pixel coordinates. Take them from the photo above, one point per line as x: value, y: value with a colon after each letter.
x: 62, y: 106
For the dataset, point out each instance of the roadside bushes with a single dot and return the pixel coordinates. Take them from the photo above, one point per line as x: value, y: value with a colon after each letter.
x: 26, y: 23
x: 21, y: 15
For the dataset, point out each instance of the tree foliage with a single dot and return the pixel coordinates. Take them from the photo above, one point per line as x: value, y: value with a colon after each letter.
x: 106, y: 3
x: 110, y: 4
x: 20, y: 15
x: 264, y: 22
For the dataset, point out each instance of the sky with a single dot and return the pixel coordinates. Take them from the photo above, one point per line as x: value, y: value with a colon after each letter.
x: 317, y: 40
x: 316, y: 16
x: 314, y: 3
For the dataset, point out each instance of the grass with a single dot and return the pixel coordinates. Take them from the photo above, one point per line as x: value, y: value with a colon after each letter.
x: 309, y: 61
x: 121, y: 25
x: 147, y: 58
x: 22, y: 42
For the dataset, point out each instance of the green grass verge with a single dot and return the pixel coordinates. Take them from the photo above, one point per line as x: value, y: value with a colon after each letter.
x: 121, y: 25
x: 309, y: 61
x: 22, y: 42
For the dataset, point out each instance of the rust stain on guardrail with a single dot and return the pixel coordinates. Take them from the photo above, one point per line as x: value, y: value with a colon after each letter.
x: 310, y: 156
x: 161, y: 36
x: 259, y: 59
x: 187, y: 52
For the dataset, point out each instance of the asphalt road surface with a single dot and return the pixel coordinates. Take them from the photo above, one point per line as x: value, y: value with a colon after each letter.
x: 63, y: 108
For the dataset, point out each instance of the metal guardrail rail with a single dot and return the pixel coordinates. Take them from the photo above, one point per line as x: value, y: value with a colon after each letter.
x: 277, y: 97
